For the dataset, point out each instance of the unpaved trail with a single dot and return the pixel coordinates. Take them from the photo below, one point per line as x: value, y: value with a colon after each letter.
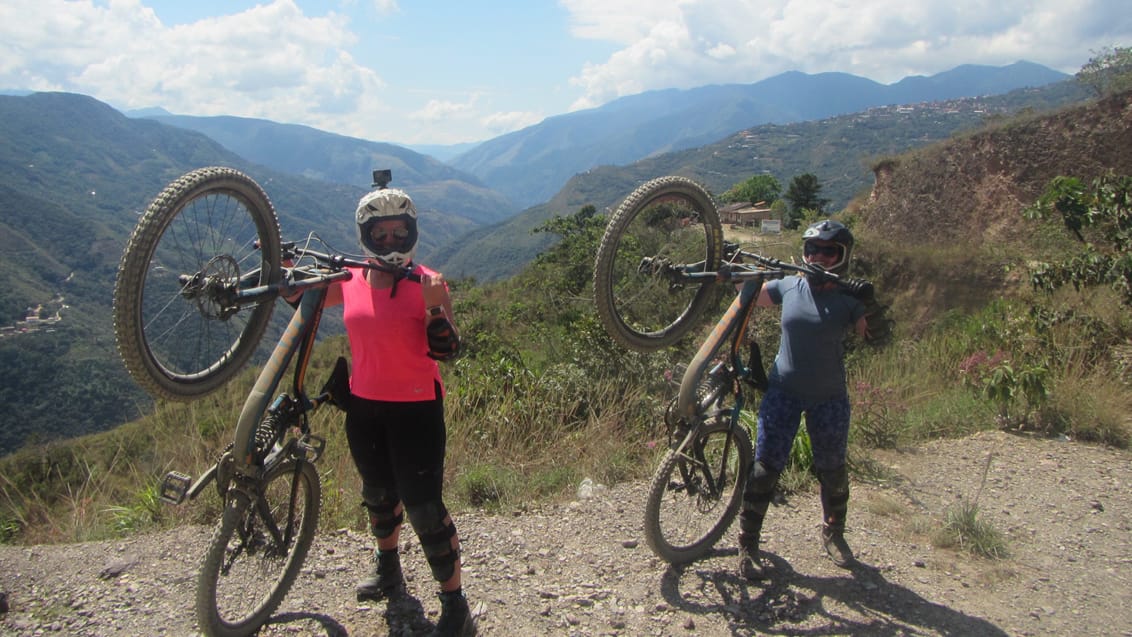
x: 582, y: 567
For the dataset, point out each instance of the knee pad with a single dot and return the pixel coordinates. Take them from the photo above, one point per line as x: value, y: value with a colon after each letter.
x: 834, y: 496
x: 761, y: 481
x: 382, y: 505
x: 835, y: 482
x: 435, y: 530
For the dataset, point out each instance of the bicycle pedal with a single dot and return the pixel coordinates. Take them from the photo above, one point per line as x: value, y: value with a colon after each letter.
x: 174, y: 487
x: 312, y: 445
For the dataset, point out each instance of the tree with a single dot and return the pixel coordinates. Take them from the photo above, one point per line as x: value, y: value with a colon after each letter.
x: 568, y: 265
x: 1100, y: 217
x: 758, y: 188
x: 804, y: 195
x: 1108, y: 72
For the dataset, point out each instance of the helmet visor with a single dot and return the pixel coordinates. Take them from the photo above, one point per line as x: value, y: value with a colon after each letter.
x: 381, y: 237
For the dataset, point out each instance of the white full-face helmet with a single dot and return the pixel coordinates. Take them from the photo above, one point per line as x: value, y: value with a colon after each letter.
x: 387, y: 204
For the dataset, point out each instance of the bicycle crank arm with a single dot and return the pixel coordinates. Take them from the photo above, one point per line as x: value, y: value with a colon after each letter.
x: 176, y: 487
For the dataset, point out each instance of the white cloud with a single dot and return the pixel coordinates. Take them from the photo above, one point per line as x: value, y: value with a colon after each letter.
x: 386, y: 6
x: 270, y: 61
x: 686, y: 43
x: 501, y: 123
x: 440, y: 110
x: 274, y: 61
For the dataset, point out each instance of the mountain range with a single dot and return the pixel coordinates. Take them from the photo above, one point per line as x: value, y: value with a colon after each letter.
x: 75, y: 174
x: 530, y: 165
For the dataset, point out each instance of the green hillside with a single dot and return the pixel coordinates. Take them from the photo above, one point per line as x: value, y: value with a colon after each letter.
x: 74, y: 176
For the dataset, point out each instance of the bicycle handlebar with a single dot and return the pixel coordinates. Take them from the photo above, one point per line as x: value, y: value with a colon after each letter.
x: 291, y: 251
x: 229, y: 293
x: 733, y: 270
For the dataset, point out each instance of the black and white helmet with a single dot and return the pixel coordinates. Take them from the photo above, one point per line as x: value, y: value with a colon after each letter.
x: 836, y: 232
x: 387, y: 204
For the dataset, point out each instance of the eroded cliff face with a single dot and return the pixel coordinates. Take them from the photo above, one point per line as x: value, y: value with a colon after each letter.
x: 974, y: 187
x: 964, y: 198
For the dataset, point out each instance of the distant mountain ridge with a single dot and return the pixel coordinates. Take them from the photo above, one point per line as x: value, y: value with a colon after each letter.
x: 530, y: 165
x: 317, y: 154
x: 838, y: 150
x: 75, y: 173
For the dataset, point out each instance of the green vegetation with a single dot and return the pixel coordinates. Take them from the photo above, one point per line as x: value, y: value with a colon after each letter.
x: 756, y: 189
x: 540, y: 383
x: 805, y: 200
x: 1100, y: 217
x: 963, y: 528
x: 1109, y: 71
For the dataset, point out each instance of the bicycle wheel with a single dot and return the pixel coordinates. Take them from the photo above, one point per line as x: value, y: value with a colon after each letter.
x: 257, y: 550
x: 211, y: 225
x: 671, y: 218
x: 696, y: 493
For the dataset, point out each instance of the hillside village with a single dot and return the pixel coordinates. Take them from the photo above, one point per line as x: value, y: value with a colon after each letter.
x: 43, y: 317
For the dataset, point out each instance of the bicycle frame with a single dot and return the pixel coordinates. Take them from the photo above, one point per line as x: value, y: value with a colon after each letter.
x: 733, y: 322
x: 298, y: 338
x: 690, y: 409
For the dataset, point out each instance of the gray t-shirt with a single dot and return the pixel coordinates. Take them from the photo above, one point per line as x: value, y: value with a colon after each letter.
x: 810, y: 362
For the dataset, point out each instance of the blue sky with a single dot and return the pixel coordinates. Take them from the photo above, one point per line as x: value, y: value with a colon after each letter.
x: 442, y: 72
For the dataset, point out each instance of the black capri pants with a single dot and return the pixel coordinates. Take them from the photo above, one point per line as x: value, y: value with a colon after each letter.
x: 398, y: 448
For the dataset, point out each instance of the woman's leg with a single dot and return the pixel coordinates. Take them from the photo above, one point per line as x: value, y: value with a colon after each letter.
x: 828, y: 426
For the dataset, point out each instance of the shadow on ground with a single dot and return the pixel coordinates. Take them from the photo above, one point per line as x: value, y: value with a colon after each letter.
x: 861, y: 602
x: 403, y: 614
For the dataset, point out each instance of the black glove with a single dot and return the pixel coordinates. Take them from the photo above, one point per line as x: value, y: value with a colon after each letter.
x: 880, y: 325
x: 817, y: 274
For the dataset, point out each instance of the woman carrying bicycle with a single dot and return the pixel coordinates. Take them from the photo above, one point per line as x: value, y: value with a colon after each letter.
x: 398, y: 329
x: 807, y: 377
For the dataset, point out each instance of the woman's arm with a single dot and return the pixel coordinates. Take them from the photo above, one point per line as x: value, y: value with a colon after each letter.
x: 861, y: 327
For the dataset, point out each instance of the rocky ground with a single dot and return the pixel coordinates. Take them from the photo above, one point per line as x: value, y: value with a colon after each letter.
x: 582, y: 567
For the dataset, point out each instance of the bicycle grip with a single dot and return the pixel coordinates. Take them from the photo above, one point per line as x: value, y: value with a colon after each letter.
x: 860, y: 288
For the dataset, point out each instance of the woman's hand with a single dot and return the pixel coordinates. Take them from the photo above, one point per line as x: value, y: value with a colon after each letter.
x: 434, y: 289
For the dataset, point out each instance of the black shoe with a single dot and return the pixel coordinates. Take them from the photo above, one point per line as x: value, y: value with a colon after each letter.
x: 751, y: 565
x: 836, y: 547
x: 455, y: 616
x: 386, y: 580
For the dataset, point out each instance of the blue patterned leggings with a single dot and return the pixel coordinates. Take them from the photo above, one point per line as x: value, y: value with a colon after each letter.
x: 780, y: 415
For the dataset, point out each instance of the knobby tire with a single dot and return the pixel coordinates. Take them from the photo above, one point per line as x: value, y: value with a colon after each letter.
x: 246, y: 572
x: 672, y: 218
x: 683, y: 517
x: 216, y: 221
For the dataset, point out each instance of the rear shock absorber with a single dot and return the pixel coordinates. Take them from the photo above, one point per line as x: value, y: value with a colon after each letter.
x: 271, y: 428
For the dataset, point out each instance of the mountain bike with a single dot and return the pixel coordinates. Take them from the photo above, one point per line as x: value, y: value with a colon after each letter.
x: 661, y: 255
x: 196, y: 287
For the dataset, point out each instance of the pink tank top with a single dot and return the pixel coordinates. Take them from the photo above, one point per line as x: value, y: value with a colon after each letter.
x: 388, y: 344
